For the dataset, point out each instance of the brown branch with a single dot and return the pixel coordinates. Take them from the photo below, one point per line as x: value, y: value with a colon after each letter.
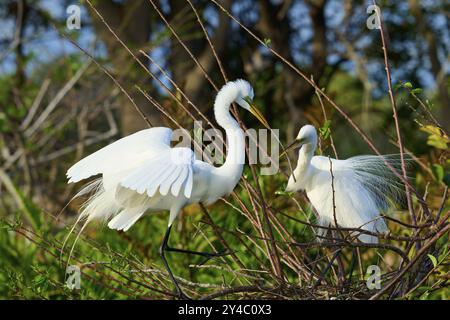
x: 411, y: 263
x: 395, y: 115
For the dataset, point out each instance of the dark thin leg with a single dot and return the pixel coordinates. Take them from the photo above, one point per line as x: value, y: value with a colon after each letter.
x: 324, y: 272
x: 198, y: 253
x: 163, y: 248
x: 352, y: 266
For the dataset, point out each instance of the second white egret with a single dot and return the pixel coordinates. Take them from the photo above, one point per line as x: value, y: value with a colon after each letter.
x: 352, y: 192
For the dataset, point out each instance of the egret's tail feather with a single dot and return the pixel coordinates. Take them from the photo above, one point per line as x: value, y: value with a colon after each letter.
x: 386, y: 189
x: 75, y: 241
x: 100, y: 205
x: 90, y: 187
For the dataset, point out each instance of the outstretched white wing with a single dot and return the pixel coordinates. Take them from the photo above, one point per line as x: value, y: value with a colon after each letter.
x: 122, y: 154
x: 171, y: 170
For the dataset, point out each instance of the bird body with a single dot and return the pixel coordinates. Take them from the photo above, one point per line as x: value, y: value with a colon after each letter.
x: 143, y: 173
x: 352, y: 192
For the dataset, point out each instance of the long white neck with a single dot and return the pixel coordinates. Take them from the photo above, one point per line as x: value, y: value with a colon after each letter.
x: 235, y: 158
x: 304, y: 157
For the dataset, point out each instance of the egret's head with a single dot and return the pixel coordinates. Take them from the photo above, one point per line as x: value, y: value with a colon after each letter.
x: 306, y: 136
x: 245, y: 94
x: 245, y: 100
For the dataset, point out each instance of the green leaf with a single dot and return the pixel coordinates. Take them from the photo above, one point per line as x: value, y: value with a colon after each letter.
x: 438, y: 172
x: 416, y: 91
x: 407, y: 85
x: 325, y: 130
x: 267, y: 42
x: 433, y: 260
x: 436, y: 138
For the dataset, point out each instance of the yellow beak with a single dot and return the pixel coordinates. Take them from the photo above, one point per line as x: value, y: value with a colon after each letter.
x: 258, y: 115
x: 295, y: 144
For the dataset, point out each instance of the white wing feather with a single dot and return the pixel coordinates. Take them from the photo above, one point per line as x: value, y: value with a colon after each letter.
x: 172, y: 169
x: 122, y: 154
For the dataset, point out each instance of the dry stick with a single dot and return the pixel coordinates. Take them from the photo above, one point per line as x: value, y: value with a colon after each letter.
x: 221, y: 238
x: 55, y: 101
x: 116, y: 82
x: 183, y: 44
x: 342, y: 112
x: 156, y: 104
x: 160, y: 108
x: 333, y: 196
x: 117, y: 254
x: 362, y: 231
x: 202, y: 69
x: 413, y: 226
x: 401, y: 273
x: 258, y: 224
x: 132, y: 262
x: 344, y: 244
x: 278, y: 225
x: 395, y: 115
x: 234, y: 110
x: 241, y: 289
x: 219, y: 62
x: 441, y: 207
x: 274, y: 252
x: 337, y: 255
x: 24, y: 231
x: 281, y: 230
x: 326, y: 119
x: 358, y: 253
x: 265, y: 239
x: 146, y: 69
x: 37, y: 101
x: 199, y: 65
x: 430, y: 115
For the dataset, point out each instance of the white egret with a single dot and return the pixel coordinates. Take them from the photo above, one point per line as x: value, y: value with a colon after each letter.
x: 364, y: 187
x: 142, y: 173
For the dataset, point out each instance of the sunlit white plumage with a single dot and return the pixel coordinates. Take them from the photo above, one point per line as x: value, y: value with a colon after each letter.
x: 142, y: 172
x: 364, y: 187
